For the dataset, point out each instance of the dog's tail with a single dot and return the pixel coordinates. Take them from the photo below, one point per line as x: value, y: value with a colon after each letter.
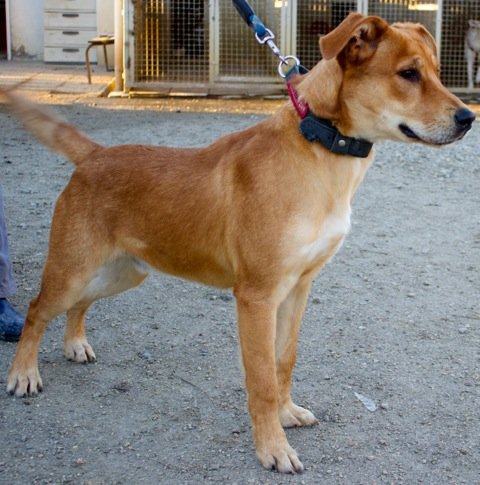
x: 50, y: 129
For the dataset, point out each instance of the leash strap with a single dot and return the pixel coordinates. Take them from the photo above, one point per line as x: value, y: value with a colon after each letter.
x: 262, y: 34
x: 248, y: 15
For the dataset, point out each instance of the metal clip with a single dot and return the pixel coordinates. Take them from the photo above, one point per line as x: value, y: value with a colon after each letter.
x: 285, y: 66
x: 268, y: 39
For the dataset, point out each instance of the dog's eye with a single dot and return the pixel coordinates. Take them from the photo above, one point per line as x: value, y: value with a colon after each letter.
x: 412, y: 75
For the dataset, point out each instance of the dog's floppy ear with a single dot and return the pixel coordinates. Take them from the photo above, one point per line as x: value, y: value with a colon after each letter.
x: 356, y: 38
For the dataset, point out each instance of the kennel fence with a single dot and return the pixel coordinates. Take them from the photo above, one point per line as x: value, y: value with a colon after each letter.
x: 203, y: 46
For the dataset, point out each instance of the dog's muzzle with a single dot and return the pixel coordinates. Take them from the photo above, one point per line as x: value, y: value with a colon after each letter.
x: 463, y: 119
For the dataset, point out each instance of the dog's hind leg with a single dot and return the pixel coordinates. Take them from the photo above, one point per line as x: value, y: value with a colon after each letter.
x: 117, y: 275
x: 289, y: 318
x: 67, y: 287
x: 78, y: 250
x: 57, y: 295
x: 76, y: 346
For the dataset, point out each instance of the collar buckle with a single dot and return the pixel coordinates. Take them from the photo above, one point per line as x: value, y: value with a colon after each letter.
x: 341, y: 144
x: 318, y: 129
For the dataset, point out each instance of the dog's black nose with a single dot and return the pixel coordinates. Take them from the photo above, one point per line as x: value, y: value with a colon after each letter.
x: 464, y: 118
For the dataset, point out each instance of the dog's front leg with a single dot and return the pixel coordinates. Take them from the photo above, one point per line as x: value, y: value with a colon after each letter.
x: 289, y: 319
x: 256, y: 320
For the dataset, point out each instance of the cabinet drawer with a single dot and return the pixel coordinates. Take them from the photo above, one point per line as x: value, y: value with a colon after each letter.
x: 70, y: 4
x: 68, y: 54
x: 67, y: 37
x: 73, y: 19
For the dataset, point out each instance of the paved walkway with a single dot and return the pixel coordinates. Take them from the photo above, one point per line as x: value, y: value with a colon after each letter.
x: 54, y: 78
x: 68, y: 84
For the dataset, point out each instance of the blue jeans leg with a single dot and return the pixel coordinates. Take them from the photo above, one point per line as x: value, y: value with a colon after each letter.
x: 7, y: 281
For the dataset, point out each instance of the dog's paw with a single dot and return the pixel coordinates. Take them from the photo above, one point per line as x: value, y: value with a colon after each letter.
x: 292, y: 416
x: 23, y: 384
x: 79, y: 351
x: 280, y: 457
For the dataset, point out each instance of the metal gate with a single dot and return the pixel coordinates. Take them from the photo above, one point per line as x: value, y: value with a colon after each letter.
x: 200, y: 45
x: 170, y: 41
x: 455, y: 17
x: 204, y: 46
x: 237, y: 55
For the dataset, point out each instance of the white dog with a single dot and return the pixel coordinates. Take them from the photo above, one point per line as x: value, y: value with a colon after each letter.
x: 472, y: 50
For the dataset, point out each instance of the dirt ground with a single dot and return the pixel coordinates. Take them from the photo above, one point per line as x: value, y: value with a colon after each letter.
x: 393, y: 318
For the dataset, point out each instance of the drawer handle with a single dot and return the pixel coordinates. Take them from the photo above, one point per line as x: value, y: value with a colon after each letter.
x: 70, y: 49
x: 70, y: 32
x: 70, y: 15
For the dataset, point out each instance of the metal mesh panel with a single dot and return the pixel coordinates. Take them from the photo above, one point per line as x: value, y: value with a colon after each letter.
x: 171, y: 41
x: 240, y: 55
x: 455, y: 23
x: 314, y: 19
x: 422, y: 11
x: 173, y: 45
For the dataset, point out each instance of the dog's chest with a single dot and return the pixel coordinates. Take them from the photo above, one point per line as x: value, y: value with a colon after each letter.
x: 319, y: 242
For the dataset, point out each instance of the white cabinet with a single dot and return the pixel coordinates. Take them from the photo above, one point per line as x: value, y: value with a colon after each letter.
x: 68, y: 26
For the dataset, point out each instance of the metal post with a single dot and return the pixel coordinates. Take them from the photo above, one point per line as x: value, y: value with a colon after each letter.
x: 118, y: 46
x: 9, y: 34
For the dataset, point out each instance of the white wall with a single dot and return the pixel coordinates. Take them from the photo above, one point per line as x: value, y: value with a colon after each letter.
x: 105, y: 25
x: 26, y: 28
x: 105, y: 16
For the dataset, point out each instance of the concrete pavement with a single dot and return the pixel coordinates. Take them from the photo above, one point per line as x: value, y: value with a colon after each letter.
x: 63, y: 79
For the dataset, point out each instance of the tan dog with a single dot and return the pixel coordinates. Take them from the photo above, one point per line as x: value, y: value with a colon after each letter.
x: 259, y: 211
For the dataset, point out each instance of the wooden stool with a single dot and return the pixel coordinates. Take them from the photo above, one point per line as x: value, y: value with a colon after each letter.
x: 103, y: 40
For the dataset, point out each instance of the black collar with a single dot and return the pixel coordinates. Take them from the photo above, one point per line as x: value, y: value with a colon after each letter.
x: 318, y: 129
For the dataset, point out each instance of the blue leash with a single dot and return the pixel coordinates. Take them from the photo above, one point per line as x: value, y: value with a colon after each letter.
x: 248, y: 15
x: 289, y: 65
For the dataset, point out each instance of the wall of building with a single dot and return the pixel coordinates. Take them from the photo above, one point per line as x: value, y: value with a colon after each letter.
x: 26, y: 28
x: 105, y: 25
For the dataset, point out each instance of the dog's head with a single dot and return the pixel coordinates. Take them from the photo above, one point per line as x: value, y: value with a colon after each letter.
x: 474, y: 25
x: 379, y: 81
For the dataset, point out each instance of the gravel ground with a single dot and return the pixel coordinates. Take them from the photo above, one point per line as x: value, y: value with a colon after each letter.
x: 388, y: 354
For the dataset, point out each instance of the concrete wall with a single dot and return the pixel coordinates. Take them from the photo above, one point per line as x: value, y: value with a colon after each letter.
x: 26, y: 28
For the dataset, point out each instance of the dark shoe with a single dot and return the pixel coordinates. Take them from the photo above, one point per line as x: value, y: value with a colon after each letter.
x: 11, y: 322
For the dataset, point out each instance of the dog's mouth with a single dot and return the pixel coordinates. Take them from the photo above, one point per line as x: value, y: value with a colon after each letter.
x: 408, y: 132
